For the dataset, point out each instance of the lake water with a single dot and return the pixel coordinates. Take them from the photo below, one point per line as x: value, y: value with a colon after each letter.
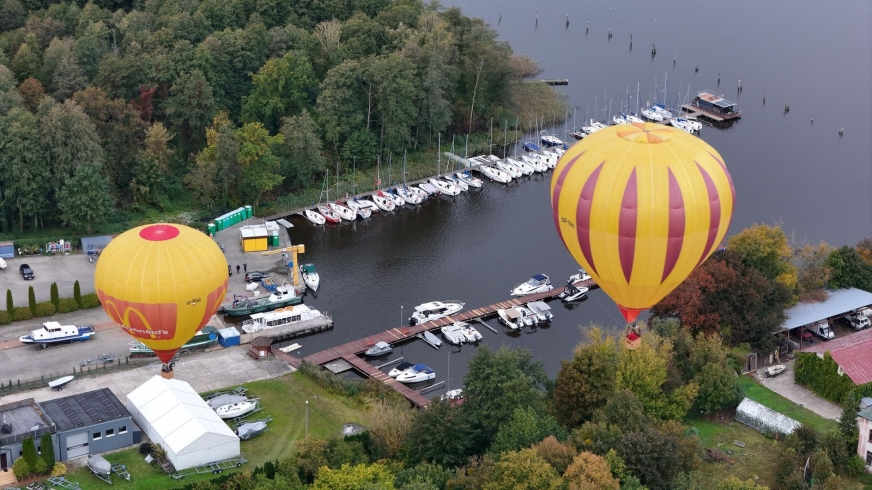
x: 786, y: 169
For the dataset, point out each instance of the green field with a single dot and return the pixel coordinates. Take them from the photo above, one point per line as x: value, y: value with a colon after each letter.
x: 284, y: 399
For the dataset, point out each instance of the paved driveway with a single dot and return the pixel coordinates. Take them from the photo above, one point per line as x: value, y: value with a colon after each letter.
x: 785, y: 385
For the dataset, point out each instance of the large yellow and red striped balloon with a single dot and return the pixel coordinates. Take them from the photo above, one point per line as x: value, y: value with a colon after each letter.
x: 640, y: 206
x: 161, y: 283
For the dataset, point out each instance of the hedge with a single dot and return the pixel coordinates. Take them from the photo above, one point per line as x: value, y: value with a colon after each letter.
x: 66, y: 305
x: 822, y: 377
x: 5, y: 318
x: 21, y: 313
x: 90, y: 301
x: 46, y: 308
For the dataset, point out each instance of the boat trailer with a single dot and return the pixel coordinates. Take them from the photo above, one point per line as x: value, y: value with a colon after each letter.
x: 214, y: 468
x: 63, y: 483
x: 239, y: 390
x: 100, y: 359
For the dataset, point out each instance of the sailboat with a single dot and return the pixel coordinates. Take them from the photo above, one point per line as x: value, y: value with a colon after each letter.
x: 405, y: 192
x: 343, y: 212
x: 325, y: 210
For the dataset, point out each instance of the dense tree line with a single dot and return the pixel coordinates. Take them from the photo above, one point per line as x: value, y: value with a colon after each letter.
x: 121, y: 104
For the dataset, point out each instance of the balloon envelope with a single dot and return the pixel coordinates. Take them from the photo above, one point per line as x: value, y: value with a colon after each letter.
x: 640, y: 206
x: 161, y: 283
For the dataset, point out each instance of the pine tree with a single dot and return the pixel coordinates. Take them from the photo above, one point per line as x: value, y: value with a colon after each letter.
x: 77, y: 294
x: 10, y: 306
x: 55, y: 298
x: 29, y: 452
x: 47, y: 451
x: 31, y: 300
x: 848, y: 421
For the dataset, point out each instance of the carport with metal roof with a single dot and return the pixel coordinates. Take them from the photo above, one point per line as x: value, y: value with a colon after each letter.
x: 839, y: 303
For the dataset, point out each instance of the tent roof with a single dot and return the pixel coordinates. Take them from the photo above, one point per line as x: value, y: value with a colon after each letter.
x: 840, y: 302
x: 177, y: 413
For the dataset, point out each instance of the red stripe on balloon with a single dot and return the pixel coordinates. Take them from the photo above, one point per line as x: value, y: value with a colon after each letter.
x: 675, y: 240
x: 730, y: 180
x: 582, y: 215
x: 555, y: 196
x: 213, y: 301
x: 714, y: 213
x: 627, y: 226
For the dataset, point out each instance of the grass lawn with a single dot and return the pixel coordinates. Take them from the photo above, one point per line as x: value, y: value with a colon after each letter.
x: 769, y: 398
x: 284, y: 399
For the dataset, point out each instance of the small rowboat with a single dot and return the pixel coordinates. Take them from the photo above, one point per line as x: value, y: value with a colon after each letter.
x: 774, y: 370
x: 58, y: 384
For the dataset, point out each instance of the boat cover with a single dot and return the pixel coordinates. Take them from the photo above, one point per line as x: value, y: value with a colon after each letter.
x: 249, y: 430
x: 308, y: 268
x: 225, y: 399
x: 540, y: 277
x: 98, y: 464
x: 539, y: 307
x: 513, y: 314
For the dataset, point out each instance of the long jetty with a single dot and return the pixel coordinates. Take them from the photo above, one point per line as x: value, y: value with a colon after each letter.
x: 351, y: 351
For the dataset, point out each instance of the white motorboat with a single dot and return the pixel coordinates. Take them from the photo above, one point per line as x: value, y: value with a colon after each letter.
x: 237, y: 409
x: 383, y: 203
x: 55, y: 333
x: 582, y: 275
x: 314, y: 217
x: 366, y: 204
x: 508, y: 168
x: 456, y: 181
x: 328, y: 213
x: 538, y: 164
x: 652, y: 115
x: 416, y: 374
x: 549, y: 139
x: 310, y: 276
x: 58, y: 384
x: 536, y: 284
x: 399, y: 368
x: 523, y: 166
x: 454, y: 333
x: 495, y: 174
x: 408, y: 195
x: 511, y: 318
x: 471, y: 334
x: 692, y: 124
x: 435, y: 310
x: 379, y: 349
x: 279, y: 318
x: 618, y: 119
x: 541, y: 310
x: 774, y: 370
x: 528, y: 318
x: 445, y: 187
x: 343, y: 212
x: 467, y: 177
x: 572, y: 293
x: 390, y: 196
x: 453, y: 395
x: 225, y: 399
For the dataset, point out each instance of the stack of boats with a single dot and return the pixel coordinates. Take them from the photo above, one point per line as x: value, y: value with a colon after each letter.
x: 459, y: 333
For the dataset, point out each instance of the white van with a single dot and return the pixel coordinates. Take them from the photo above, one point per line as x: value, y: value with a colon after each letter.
x: 823, y: 330
x: 858, y: 320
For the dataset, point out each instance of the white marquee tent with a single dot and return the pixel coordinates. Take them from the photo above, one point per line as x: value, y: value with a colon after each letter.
x: 173, y: 415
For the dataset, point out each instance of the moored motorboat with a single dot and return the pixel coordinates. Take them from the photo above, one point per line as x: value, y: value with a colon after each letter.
x: 237, y: 409
x: 242, y: 305
x: 444, y: 186
x: 379, y: 349
x: 454, y: 333
x: 416, y: 374
x: 539, y: 283
x: 399, y: 368
x: 528, y: 318
x: 467, y: 177
x: 581, y: 275
x: 343, y: 212
x: 310, y: 276
x: 434, y: 310
x: 313, y: 217
x: 541, y: 310
x: 471, y: 334
x: 453, y: 395
x: 383, y: 203
x: 573, y: 293
x: 510, y: 317
x: 280, y: 317
x: 55, y: 333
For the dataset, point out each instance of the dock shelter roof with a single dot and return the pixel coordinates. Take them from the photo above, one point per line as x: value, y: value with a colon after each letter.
x: 838, y: 303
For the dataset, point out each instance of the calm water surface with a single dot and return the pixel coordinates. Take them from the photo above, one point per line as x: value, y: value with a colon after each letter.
x: 786, y: 169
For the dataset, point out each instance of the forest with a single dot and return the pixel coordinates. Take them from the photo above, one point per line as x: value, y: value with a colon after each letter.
x: 112, y: 109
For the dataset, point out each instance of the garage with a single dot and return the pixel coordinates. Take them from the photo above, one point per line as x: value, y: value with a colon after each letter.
x: 77, y: 445
x: 7, y: 250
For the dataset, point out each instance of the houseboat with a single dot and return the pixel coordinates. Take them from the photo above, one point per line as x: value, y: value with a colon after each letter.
x: 279, y: 318
x: 715, y: 106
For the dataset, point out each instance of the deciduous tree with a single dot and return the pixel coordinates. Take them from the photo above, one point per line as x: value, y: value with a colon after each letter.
x: 31, y: 93
x: 152, y: 166
x: 644, y: 372
x: 354, y: 478
x: 585, y: 383
x: 69, y: 139
x: 84, y: 200
x: 525, y: 428
x: 389, y: 427
x: 766, y: 249
x: 590, y: 472
x: 190, y: 107
x: 25, y: 179
x: 849, y: 270
x: 282, y: 87
x: 813, y: 272
x: 301, y: 154
x: 260, y: 167
x: 555, y: 453
x: 523, y: 470
x: 448, y: 445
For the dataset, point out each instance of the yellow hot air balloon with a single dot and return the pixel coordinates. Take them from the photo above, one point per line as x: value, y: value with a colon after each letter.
x: 161, y: 283
x: 640, y: 206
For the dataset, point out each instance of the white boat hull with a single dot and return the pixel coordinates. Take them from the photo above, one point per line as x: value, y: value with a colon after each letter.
x: 314, y: 217
x: 343, y: 212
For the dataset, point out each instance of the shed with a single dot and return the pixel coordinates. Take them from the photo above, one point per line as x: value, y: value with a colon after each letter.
x: 7, y: 250
x: 764, y: 419
x: 228, y: 337
x: 261, y: 347
x: 173, y: 415
x: 254, y: 238
x: 95, y: 242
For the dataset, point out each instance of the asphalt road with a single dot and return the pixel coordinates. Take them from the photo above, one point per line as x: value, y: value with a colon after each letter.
x: 31, y: 362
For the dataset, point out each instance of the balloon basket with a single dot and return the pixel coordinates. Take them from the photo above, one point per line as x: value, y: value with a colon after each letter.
x: 166, y: 371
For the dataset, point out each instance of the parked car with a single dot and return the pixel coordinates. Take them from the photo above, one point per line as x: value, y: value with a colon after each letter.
x: 255, y: 276
x: 26, y: 272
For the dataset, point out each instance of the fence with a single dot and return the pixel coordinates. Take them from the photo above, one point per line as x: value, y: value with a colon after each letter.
x: 15, y: 386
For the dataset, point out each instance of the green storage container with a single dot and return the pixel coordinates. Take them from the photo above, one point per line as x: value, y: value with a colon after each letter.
x: 248, y: 212
x: 212, y: 228
x: 218, y: 224
x: 274, y: 240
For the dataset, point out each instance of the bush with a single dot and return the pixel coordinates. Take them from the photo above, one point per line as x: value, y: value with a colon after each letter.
x: 40, y: 468
x: 90, y: 301
x: 66, y: 305
x: 856, y: 465
x: 9, y: 304
x: 31, y: 300
x: 21, y: 313
x: 59, y: 470
x: 54, y: 294
x: 20, y: 469
x: 5, y: 318
x: 46, y: 308
x: 145, y: 448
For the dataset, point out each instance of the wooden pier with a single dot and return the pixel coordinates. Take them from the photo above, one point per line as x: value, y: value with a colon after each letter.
x: 351, y: 351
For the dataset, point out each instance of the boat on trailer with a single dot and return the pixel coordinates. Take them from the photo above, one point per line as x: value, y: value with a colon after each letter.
x: 54, y: 333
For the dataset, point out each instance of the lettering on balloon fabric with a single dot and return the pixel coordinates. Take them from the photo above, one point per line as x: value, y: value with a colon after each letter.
x: 150, y: 321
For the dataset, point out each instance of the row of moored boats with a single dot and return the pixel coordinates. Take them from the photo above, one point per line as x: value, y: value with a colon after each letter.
x: 654, y: 113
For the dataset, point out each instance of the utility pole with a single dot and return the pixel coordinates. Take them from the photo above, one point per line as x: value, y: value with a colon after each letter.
x: 307, y: 419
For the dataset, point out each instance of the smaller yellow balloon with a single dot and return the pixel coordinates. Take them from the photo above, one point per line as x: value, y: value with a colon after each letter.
x: 161, y: 283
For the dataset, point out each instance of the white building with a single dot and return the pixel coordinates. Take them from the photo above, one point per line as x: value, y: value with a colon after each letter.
x: 173, y: 415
